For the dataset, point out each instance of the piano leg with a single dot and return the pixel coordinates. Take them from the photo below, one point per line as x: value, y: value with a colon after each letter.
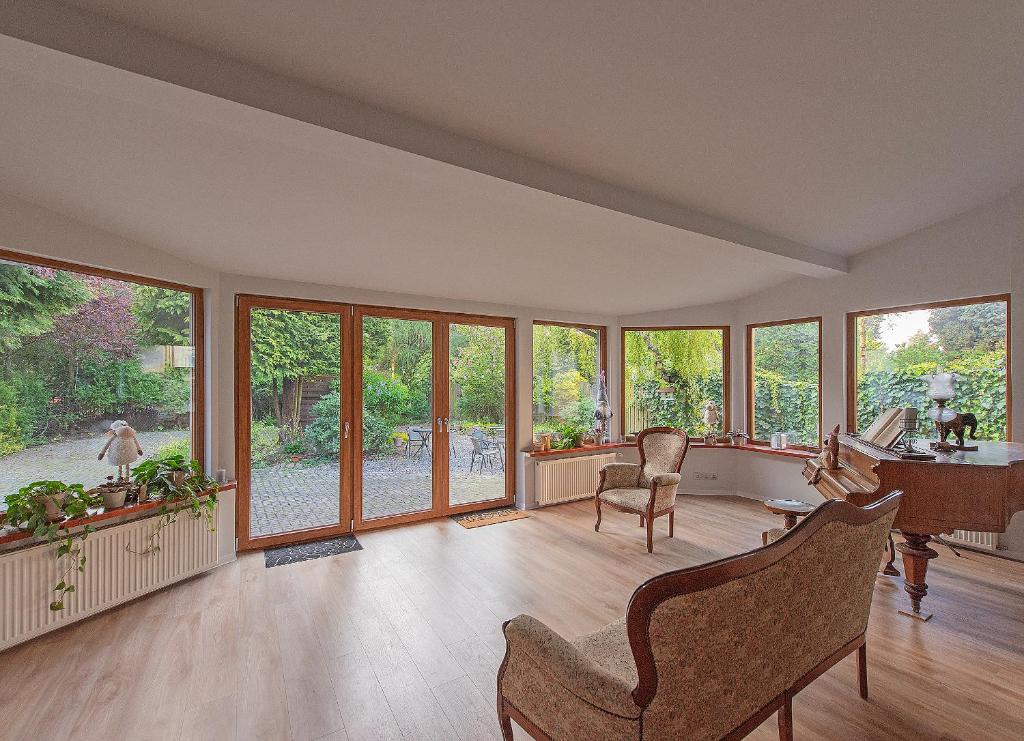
x: 916, y: 555
x: 889, y: 569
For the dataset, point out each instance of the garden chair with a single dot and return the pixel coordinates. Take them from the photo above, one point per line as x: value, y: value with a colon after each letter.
x: 419, y: 440
x: 483, y: 449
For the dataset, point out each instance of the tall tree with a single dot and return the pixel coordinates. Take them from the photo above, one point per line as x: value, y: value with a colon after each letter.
x: 287, y: 348
x: 163, y: 316
x: 30, y: 299
x: 975, y: 327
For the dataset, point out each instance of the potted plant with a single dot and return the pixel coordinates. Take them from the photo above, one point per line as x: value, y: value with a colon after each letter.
x: 570, y: 436
x: 183, y: 487
x: 44, y: 508
x: 113, y: 492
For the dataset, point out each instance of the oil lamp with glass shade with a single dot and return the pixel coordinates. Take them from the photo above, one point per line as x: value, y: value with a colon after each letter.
x: 941, y: 390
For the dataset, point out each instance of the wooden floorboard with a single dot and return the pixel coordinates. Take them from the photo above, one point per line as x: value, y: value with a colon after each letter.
x: 403, y: 638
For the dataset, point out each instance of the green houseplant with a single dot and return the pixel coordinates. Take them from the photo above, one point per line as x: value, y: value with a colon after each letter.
x: 569, y: 436
x: 44, y: 508
x: 182, y: 486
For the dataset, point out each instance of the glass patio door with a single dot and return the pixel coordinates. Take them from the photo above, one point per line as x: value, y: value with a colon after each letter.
x: 480, y: 404
x: 293, y: 412
x: 436, y: 403
x: 397, y: 434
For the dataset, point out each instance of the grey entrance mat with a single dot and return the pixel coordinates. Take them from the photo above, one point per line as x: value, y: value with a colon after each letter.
x: 306, y: 551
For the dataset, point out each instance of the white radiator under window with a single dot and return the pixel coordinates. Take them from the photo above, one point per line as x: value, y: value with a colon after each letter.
x: 112, y: 575
x: 566, y: 479
x: 987, y: 541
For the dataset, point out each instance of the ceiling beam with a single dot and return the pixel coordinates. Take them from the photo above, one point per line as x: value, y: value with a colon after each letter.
x: 100, y: 39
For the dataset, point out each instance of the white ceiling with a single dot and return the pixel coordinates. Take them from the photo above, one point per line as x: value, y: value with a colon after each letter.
x: 838, y: 125
x: 249, y: 192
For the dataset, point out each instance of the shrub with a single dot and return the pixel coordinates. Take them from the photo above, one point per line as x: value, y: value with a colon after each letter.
x: 322, y: 433
x: 11, y: 440
x: 182, y: 447
x: 377, y: 434
x: 266, y: 438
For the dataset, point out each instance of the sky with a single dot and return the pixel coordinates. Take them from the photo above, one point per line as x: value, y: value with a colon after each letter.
x: 898, y: 328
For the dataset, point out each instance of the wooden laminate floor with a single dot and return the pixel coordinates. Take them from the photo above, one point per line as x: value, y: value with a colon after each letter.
x: 403, y: 640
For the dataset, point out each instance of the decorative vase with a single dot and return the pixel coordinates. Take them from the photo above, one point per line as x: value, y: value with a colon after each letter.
x: 143, y: 495
x: 178, y: 477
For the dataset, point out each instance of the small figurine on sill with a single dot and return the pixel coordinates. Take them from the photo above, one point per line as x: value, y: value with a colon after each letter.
x: 711, y: 420
x: 830, y: 450
x: 122, y: 449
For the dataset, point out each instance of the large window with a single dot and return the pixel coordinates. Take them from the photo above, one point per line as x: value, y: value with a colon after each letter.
x: 671, y: 373
x: 890, y: 349
x: 784, y: 380
x: 567, y: 363
x: 80, y: 349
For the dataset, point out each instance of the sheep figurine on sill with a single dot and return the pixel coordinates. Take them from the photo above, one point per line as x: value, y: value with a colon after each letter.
x: 123, y: 448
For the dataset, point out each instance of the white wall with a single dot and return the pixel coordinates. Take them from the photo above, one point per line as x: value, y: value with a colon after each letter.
x: 977, y: 253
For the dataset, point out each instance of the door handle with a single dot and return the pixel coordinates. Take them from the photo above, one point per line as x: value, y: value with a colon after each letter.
x: 347, y: 427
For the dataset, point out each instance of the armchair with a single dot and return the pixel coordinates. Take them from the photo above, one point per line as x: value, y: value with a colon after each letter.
x: 710, y: 651
x: 647, y: 490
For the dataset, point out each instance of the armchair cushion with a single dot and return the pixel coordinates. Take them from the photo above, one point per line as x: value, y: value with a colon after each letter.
x: 620, y: 475
x: 548, y: 659
x: 666, y: 479
x: 634, y: 499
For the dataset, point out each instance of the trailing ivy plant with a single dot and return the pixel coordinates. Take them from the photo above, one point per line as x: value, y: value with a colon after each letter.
x: 182, y: 486
x: 28, y: 510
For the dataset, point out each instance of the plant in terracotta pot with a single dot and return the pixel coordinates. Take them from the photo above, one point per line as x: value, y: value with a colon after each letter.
x: 182, y: 486
x: 113, y: 492
x: 45, y: 508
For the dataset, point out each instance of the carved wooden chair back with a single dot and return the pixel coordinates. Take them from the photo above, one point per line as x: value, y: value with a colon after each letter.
x: 724, y: 644
x: 662, y: 450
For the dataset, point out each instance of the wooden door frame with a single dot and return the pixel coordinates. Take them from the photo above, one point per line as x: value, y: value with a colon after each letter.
x: 441, y: 328
x: 244, y: 303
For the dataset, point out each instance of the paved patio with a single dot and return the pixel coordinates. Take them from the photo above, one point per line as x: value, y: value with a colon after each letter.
x: 74, y: 461
x: 295, y: 497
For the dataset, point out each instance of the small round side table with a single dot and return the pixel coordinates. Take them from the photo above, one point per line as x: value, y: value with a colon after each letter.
x: 790, y: 509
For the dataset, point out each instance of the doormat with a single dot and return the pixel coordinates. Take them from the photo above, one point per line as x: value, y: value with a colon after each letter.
x: 306, y: 551
x: 490, y: 517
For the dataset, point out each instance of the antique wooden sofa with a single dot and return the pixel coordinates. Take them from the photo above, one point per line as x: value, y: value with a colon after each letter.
x: 710, y: 651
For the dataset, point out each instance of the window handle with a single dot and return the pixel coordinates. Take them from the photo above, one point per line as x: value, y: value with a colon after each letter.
x: 347, y: 428
x: 439, y: 423
x: 446, y: 424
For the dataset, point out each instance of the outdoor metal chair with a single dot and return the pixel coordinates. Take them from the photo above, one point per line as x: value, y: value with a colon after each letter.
x: 419, y: 440
x: 483, y: 449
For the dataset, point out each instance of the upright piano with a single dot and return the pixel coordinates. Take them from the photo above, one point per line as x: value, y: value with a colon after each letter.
x: 961, y: 490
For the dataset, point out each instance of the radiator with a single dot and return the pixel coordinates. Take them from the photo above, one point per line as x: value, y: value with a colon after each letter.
x: 567, y: 479
x: 112, y: 575
x: 987, y: 541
